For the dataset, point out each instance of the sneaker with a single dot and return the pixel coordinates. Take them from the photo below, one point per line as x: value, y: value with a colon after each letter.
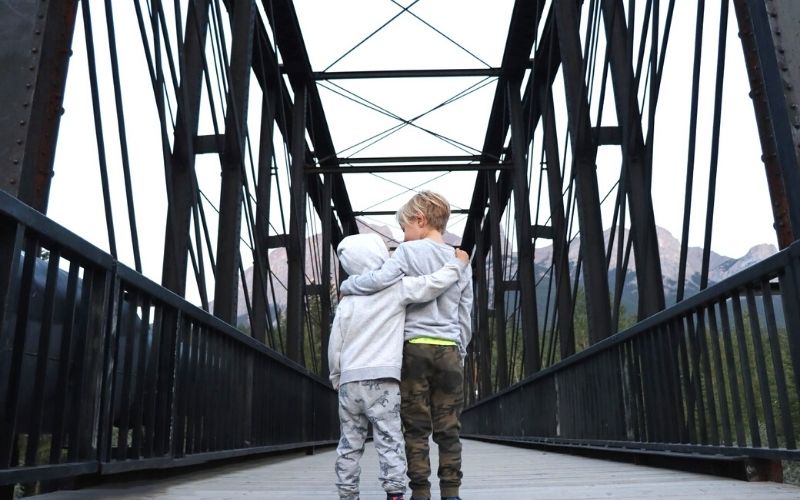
x: 394, y: 496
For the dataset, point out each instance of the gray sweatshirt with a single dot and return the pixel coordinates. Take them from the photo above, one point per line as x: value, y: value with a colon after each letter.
x: 366, y: 339
x: 448, y: 317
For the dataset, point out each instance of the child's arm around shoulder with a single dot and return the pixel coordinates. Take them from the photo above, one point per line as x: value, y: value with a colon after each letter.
x: 428, y: 287
x: 374, y: 281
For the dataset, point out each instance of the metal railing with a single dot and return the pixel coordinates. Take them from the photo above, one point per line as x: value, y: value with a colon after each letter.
x: 715, y: 374
x: 104, y: 371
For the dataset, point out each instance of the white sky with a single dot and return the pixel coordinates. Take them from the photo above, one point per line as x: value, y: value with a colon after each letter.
x: 743, y: 215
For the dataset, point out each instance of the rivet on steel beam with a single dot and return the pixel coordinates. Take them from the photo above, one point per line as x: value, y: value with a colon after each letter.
x: 12, y: 181
x: 37, y: 32
x: 15, y: 161
x: 28, y: 85
x: 34, y: 50
x: 19, y: 141
x: 777, y: 33
x: 22, y: 123
x: 31, y: 68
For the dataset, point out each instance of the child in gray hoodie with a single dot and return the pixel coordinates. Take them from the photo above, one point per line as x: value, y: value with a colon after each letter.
x: 365, y: 356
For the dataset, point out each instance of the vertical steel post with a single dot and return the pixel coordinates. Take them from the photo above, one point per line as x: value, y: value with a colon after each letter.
x: 771, y: 43
x: 595, y: 273
x: 226, y: 291
x: 643, y: 230
x: 326, y: 219
x: 261, y: 314
x: 560, y: 245
x: 497, y: 281
x: 181, y: 185
x: 35, y: 41
x: 522, y: 212
x: 296, y: 243
x: 481, y: 345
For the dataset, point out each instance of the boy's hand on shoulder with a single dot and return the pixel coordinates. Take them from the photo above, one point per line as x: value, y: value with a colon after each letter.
x: 462, y: 255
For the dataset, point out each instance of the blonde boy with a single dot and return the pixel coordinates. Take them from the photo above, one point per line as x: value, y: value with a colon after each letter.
x: 436, y: 337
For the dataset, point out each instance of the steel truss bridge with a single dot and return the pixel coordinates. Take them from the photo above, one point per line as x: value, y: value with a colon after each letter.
x: 113, y: 361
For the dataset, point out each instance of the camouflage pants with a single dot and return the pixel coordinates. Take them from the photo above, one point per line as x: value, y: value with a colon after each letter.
x: 432, y: 386
x: 376, y: 402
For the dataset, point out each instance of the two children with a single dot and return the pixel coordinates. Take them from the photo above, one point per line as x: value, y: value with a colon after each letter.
x: 436, y: 332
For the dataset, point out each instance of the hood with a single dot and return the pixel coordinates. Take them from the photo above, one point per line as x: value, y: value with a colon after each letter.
x: 361, y: 253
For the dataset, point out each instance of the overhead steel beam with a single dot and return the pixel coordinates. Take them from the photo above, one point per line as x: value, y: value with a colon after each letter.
x: 35, y: 45
x: 440, y: 167
x: 268, y: 74
x: 411, y: 159
x: 516, y: 58
x: 297, y: 66
x: 407, y: 73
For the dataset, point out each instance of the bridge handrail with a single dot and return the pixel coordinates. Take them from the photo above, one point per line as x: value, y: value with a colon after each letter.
x: 707, y: 375
x: 104, y: 371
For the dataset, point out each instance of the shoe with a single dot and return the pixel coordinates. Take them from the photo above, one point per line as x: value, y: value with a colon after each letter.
x: 395, y: 496
x: 451, y: 498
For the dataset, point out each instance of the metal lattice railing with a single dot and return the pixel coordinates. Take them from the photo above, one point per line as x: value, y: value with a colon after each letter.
x: 714, y: 374
x: 104, y: 371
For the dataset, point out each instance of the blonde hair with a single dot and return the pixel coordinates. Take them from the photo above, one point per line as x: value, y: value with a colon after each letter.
x: 433, y: 206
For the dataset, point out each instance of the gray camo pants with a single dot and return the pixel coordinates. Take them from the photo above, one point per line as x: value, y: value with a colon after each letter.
x: 376, y: 402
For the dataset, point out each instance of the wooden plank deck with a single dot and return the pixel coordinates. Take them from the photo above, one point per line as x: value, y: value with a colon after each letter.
x: 491, y: 472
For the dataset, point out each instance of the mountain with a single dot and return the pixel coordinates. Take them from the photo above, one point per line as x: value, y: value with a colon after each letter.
x: 720, y: 266
x: 279, y: 265
x: 669, y: 248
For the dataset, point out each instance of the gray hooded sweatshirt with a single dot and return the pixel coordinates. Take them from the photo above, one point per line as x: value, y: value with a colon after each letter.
x: 367, y: 334
x: 446, y: 318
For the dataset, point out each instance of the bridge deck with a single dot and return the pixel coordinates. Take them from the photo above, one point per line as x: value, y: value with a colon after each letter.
x: 491, y: 472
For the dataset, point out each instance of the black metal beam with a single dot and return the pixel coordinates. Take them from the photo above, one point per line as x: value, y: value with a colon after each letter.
x: 771, y: 60
x: 181, y: 185
x: 411, y: 159
x: 560, y: 244
x: 407, y: 73
x: 436, y: 167
x: 226, y: 290
x: 584, y: 152
x: 522, y: 217
x: 516, y: 58
x: 296, y: 244
x: 35, y: 41
x: 289, y: 39
x: 643, y: 230
x: 261, y: 229
x: 267, y: 72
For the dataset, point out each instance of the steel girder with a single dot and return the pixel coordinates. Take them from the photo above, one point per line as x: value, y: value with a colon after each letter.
x: 35, y: 41
x: 181, y: 184
x: 226, y: 291
x: 771, y: 44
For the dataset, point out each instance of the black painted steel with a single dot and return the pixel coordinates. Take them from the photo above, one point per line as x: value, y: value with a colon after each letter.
x: 754, y: 364
x: 100, y: 352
